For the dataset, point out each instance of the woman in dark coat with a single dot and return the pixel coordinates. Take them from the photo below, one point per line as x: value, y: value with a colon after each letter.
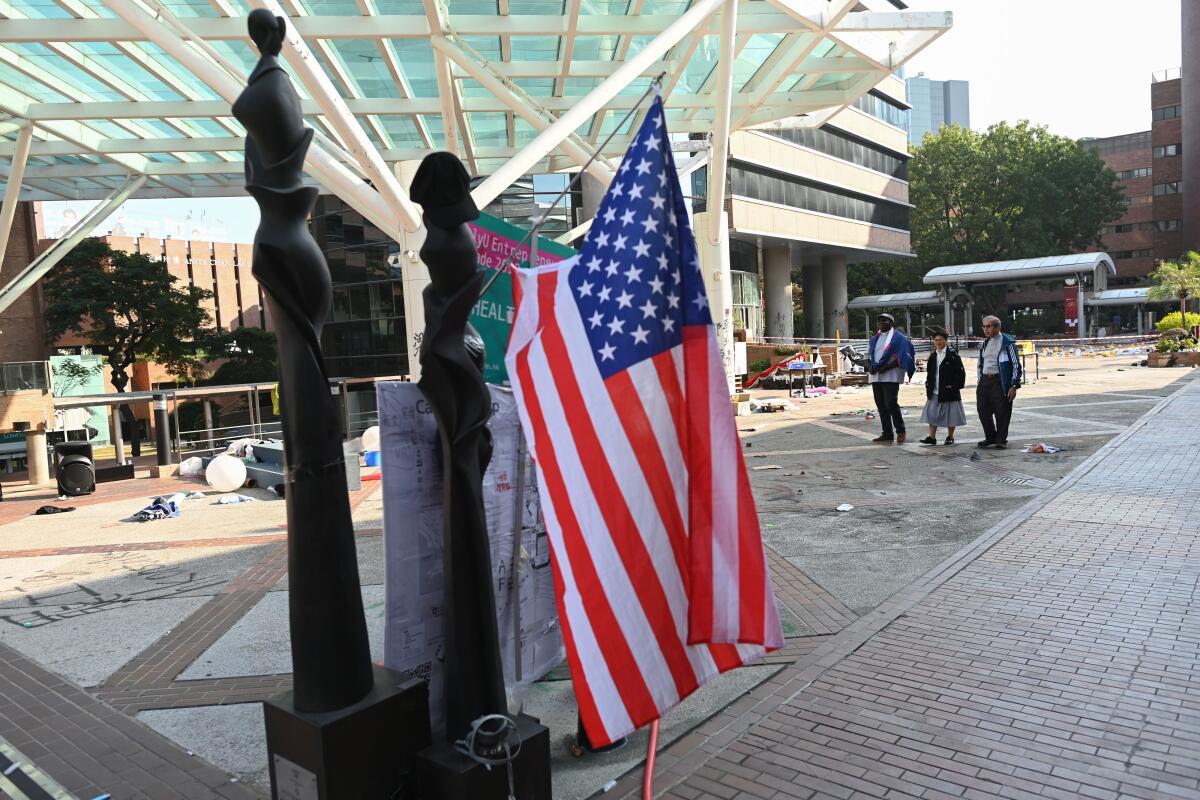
x: 945, y: 377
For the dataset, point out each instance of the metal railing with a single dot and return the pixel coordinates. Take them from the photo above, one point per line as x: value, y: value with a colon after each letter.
x: 21, y: 376
x: 1166, y: 75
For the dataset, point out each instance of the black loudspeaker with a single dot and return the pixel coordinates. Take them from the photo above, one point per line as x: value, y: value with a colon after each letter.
x: 73, y: 468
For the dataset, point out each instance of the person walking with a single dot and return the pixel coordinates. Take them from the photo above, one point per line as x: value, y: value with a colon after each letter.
x: 999, y: 379
x: 945, y: 377
x: 892, y: 357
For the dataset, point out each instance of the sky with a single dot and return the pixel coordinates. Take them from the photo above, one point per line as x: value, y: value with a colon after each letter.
x: 1080, y: 67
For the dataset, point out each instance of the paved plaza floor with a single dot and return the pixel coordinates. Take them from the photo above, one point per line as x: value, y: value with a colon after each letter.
x: 1006, y: 626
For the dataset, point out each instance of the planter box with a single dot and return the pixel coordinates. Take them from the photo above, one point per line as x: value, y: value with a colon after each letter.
x: 1191, y: 359
x: 1160, y: 359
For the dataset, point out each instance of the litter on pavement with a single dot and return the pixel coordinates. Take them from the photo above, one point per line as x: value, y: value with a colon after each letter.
x: 233, y: 499
x: 1041, y: 447
x: 766, y: 466
x: 191, y: 467
x: 159, y: 508
x: 53, y: 510
x: 845, y: 507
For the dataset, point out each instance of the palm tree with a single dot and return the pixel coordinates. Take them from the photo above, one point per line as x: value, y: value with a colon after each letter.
x: 1177, y: 280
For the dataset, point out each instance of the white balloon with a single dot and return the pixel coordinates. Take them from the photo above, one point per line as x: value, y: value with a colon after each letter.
x: 225, y: 473
x: 370, y: 439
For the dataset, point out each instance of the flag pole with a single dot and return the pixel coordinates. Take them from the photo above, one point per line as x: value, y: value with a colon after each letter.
x: 655, y: 86
x: 651, y: 751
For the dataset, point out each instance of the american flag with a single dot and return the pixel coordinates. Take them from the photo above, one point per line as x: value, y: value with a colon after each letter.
x: 658, y: 559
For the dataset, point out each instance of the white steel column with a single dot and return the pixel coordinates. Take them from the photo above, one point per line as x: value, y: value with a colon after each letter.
x: 44, y: 262
x: 588, y: 105
x: 519, y: 107
x: 777, y: 280
x: 12, y: 190
x: 314, y: 78
x: 1081, y: 324
x: 718, y: 162
x: 414, y: 277
x: 714, y: 267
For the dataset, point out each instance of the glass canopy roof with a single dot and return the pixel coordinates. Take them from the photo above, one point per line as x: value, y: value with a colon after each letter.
x: 106, y: 101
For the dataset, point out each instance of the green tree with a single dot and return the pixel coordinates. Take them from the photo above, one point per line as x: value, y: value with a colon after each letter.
x: 128, y: 307
x: 252, y: 356
x: 1177, y: 280
x: 1016, y: 191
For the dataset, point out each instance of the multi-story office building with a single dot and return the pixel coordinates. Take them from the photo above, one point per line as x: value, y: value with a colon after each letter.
x: 807, y: 202
x: 1166, y: 139
x: 936, y: 103
x: 223, y: 268
x: 1130, y: 239
x: 365, y: 333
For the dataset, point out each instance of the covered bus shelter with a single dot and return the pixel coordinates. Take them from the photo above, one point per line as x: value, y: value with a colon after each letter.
x: 1137, y: 297
x: 891, y: 302
x: 1083, y: 271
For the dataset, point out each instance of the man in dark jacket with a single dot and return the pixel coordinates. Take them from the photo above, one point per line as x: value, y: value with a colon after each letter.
x: 999, y: 379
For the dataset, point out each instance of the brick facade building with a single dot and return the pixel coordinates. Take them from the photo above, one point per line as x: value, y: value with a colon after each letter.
x: 1166, y: 133
x: 222, y: 268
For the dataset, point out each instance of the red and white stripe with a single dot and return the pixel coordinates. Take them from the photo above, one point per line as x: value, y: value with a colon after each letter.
x: 661, y: 578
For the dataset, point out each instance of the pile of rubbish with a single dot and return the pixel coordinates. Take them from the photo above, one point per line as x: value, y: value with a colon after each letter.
x: 1041, y: 447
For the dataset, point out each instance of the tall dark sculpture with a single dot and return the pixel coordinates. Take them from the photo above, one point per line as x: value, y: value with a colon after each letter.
x: 452, y: 382
x: 331, y: 657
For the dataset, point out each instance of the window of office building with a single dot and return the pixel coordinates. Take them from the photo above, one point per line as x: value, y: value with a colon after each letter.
x: 1166, y: 150
x: 1166, y: 112
x: 1128, y: 227
x: 365, y: 335
x: 847, y: 148
x: 883, y: 108
x: 1165, y: 225
x: 1171, y: 187
x: 1132, y: 254
x: 758, y: 183
x: 1138, y: 199
x: 1140, y: 172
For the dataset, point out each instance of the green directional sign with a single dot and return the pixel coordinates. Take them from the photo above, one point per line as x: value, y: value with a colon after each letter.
x: 495, y: 241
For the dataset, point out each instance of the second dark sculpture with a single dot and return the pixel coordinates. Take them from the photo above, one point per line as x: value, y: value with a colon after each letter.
x: 452, y: 382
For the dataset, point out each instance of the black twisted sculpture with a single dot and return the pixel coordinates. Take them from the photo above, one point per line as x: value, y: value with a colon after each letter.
x: 452, y: 382
x: 331, y: 657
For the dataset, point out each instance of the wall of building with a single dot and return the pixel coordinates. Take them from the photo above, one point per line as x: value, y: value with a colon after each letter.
x: 35, y: 407
x: 21, y: 331
x: 1130, y: 240
x: 1190, y: 102
x: 1166, y: 130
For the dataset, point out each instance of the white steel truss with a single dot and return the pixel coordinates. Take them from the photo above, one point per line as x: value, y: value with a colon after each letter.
x: 125, y: 87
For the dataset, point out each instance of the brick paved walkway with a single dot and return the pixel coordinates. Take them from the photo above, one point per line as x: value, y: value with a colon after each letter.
x: 91, y: 749
x: 1058, y: 656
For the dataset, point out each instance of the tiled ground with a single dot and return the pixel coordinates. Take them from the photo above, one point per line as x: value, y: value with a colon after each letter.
x: 1068, y: 640
x: 1058, y: 656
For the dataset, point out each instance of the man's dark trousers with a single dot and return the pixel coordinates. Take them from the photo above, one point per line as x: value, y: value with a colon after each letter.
x: 887, y: 401
x: 995, y: 409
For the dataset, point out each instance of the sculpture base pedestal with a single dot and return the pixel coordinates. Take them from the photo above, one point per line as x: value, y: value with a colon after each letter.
x: 443, y: 773
x: 361, y: 752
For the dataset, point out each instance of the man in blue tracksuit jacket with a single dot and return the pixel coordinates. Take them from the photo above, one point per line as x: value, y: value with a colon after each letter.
x: 999, y: 380
x: 892, y: 358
